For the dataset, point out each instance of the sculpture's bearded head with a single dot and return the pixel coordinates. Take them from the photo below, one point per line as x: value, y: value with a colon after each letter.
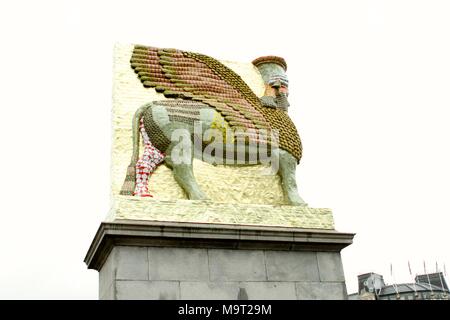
x: 273, y: 71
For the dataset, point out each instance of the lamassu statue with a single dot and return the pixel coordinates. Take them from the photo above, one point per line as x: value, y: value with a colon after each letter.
x: 213, y: 115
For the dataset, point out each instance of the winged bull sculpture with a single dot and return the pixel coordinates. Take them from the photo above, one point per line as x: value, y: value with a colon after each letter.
x: 204, y: 95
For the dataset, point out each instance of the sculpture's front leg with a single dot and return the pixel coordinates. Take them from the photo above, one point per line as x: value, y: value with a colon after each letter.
x: 288, y: 181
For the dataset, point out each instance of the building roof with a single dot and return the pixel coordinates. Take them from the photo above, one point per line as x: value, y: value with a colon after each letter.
x: 410, y: 287
x: 372, y: 285
x: 436, y: 279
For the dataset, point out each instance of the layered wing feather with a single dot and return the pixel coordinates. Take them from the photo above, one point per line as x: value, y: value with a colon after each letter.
x: 187, y: 75
x: 179, y: 74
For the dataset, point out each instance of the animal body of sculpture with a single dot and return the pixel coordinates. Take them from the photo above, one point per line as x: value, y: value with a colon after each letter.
x: 203, y: 95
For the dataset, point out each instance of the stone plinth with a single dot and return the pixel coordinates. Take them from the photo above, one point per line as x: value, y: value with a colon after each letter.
x: 179, y: 260
x: 204, y: 211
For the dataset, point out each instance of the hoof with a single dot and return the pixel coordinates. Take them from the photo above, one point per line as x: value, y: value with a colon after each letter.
x: 299, y: 204
x: 295, y: 200
x: 143, y: 195
x: 198, y: 196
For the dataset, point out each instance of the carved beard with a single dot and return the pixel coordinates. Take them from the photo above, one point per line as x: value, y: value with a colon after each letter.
x: 268, y: 101
x: 279, y: 102
x: 282, y: 101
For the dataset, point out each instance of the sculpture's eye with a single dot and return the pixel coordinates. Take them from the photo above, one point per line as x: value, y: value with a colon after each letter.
x: 284, y: 89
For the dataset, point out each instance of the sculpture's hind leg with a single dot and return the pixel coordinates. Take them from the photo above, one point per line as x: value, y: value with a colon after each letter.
x: 287, y: 173
x: 129, y: 184
x: 179, y: 153
x: 183, y: 173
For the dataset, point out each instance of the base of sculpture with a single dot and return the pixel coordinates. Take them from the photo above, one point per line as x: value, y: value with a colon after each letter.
x: 205, y: 211
x: 139, y: 259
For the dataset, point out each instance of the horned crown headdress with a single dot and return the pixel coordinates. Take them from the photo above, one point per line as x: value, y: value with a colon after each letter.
x: 270, y: 59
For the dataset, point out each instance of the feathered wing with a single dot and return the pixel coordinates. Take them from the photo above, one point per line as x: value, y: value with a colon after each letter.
x: 187, y: 75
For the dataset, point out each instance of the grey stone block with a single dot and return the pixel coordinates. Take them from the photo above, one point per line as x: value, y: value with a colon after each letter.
x: 238, y: 290
x: 209, y: 291
x: 132, y: 263
x: 330, y: 266
x: 232, y: 265
x: 269, y: 290
x: 147, y: 290
x: 107, y: 274
x: 178, y: 264
x: 109, y: 293
x: 321, y: 291
x: 291, y: 266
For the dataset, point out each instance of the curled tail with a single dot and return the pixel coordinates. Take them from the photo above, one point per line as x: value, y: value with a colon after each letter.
x: 129, y: 184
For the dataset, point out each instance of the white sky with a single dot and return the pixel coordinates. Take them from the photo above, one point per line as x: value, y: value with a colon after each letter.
x: 369, y: 92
